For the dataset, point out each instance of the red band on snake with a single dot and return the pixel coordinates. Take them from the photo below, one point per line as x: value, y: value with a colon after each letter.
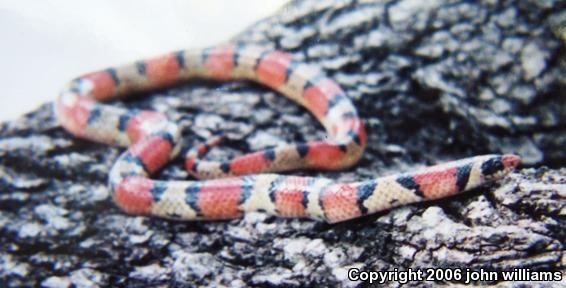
x: 153, y: 141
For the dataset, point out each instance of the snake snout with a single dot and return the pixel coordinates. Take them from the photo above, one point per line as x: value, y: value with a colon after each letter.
x: 510, y: 161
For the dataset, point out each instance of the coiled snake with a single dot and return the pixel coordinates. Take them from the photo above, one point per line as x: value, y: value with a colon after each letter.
x: 153, y: 141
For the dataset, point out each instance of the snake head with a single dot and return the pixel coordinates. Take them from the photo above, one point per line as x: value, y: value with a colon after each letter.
x: 498, y: 166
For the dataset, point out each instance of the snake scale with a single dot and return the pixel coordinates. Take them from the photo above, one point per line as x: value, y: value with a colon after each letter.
x: 234, y: 187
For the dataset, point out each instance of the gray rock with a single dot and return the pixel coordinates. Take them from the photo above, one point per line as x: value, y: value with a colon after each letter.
x: 88, y: 278
x: 56, y: 282
x: 433, y: 80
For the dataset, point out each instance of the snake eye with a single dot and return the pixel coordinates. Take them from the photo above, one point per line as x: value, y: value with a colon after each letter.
x: 492, y: 166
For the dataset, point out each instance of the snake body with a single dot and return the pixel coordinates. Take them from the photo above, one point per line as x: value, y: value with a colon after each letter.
x: 153, y: 140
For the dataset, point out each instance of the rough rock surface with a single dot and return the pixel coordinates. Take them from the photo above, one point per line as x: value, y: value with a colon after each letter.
x: 434, y: 80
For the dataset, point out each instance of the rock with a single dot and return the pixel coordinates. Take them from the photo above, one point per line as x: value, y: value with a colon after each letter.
x: 150, y: 273
x: 88, y: 278
x: 56, y: 282
x: 533, y: 60
x: 433, y: 80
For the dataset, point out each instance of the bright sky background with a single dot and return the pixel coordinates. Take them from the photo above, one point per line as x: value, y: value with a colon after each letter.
x: 46, y: 43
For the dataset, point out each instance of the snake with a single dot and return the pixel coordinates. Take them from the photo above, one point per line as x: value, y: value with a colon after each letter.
x: 229, y: 189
